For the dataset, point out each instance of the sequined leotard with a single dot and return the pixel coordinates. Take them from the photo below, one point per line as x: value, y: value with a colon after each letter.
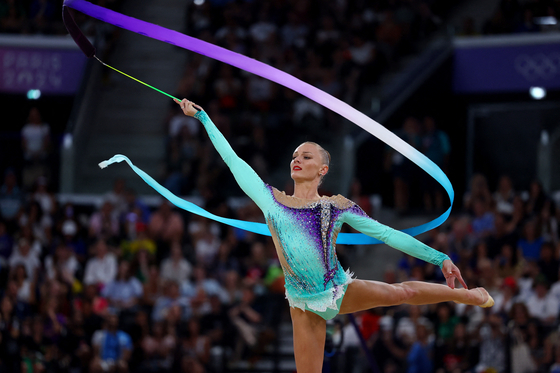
x: 304, y: 233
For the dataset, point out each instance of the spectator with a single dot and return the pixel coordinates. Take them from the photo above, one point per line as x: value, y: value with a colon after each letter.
x: 72, y: 239
x: 158, y: 348
x: 460, y: 352
x: 39, y: 223
x: 503, y: 197
x: 117, y: 197
x: 483, y: 221
x: 25, y: 284
x: 6, y: 246
x: 102, y: 268
x: 35, y: 137
x: 247, y: 322
x: 24, y: 256
x: 176, y: 267
x: 62, y: 265
x: 549, y: 223
x: 166, y: 225
x: 171, y: 301
x: 530, y: 244
x: 152, y: 288
x: 479, y: 190
x: 419, y: 356
x: 500, y: 237
x: 44, y: 197
x: 537, y: 199
x: 112, y: 348
x: 407, y: 325
x: 124, y: 292
x: 507, y: 297
x: 195, y: 344
x: 508, y: 264
x: 11, y: 199
x: 206, y: 245
x: 104, y: 223
x: 548, y: 264
x: 541, y: 304
x: 216, y: 324
x: 492, y: 345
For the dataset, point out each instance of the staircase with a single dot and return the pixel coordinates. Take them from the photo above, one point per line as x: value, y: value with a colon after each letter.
x: 128, y: 117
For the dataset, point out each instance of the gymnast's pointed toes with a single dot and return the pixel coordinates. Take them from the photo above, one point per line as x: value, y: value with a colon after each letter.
x: 489, y: 301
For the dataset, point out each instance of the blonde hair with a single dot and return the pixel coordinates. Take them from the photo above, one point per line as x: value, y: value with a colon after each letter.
x: 324, y: 154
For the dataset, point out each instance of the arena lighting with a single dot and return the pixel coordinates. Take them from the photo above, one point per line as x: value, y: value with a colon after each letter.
x: 538, y: 93
x: 33, y: 94
x: 545, y: 20
x: 198, y: 2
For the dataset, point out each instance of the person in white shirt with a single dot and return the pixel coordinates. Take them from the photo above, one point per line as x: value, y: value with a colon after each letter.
x: 63, y: 263
x: 102, y: 268
x: 35, y: 137
x: 23, y: 255
x: 542, y: 304
x: 176, y: 267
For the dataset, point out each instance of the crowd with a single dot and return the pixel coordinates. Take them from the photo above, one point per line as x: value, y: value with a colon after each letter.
x: 128, y: 288
x: 506, y: 241
x: 340, y: 47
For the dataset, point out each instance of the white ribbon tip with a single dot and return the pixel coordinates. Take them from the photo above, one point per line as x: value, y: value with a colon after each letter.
x: 103, y: 164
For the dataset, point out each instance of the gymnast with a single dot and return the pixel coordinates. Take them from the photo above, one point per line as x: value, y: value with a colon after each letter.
x: 304, y: 229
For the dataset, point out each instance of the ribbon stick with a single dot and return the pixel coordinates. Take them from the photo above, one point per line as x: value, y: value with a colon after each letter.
x: 280, y: 77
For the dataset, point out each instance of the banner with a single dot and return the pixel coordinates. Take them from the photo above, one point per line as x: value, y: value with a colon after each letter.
x: 510, y: 63
x: 51, y: 70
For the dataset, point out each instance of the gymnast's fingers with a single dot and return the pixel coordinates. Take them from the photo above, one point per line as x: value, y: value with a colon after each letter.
x: 460, y: 278
x: 450, y: 281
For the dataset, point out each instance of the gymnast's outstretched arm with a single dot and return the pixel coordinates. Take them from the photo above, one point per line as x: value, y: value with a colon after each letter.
x: 245, y: 176
x: 358, y: 219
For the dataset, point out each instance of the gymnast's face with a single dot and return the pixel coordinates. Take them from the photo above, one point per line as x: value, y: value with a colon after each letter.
x: 307, y: 163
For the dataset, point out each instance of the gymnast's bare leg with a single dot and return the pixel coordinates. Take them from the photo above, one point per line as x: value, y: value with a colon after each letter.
x: 309, y: 340
x: 362, y: 295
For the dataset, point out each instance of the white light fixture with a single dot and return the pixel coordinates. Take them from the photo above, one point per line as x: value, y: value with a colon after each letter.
x: 198, y: 2
x: 545, y: 21
x: 538, y: 93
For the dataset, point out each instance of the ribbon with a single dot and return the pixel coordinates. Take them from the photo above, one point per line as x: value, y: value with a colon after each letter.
x: 280, y: 77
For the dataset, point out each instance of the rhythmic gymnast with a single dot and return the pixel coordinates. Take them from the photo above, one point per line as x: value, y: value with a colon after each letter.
x: 304, y: 228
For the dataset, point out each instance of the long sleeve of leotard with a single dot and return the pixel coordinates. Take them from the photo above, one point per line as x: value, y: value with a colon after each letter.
x: 359, y: 220
x: 245, y: 176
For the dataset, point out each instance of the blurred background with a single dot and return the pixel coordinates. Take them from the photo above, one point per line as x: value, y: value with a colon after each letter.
x: 98, y: 273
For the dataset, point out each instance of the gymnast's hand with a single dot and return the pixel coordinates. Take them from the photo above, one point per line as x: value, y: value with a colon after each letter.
x: 189, y: 107
x: 451, y: 272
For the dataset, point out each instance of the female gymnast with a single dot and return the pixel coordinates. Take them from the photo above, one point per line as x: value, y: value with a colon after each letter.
x: 304, y: 228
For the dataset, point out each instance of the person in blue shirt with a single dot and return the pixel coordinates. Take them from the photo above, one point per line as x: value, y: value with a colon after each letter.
x: 112, y: 348
x: 304, y: 228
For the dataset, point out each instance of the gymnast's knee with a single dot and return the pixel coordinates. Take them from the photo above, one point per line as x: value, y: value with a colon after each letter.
x: 404, y: 292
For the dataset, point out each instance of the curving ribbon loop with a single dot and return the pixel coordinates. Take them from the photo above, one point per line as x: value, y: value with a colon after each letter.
x: 280, y: 77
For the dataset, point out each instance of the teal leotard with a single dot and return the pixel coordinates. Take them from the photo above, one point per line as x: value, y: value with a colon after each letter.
x: 304, y: 233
